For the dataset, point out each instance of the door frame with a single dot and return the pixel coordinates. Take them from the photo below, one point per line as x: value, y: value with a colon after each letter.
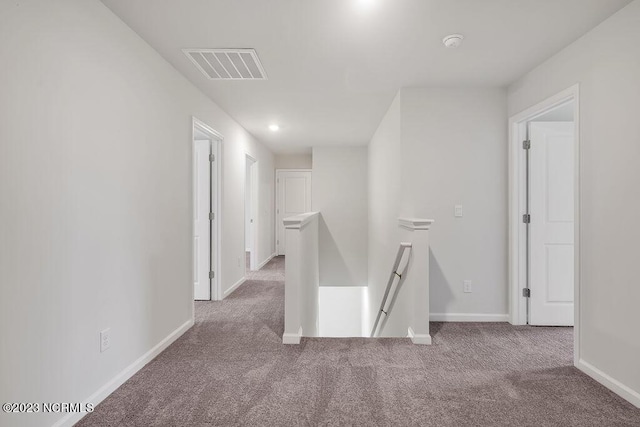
x: 517, y: 199
x: 277, y: 199
x: 216, y: 261
x: 253, y: 257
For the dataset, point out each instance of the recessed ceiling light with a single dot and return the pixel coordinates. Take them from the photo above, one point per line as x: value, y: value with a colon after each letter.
x: 453, y: 40
x: 366, y: 3
x: 274, y: 128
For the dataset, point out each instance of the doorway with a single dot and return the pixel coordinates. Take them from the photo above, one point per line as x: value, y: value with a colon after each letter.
x: 206, y: 221
x: 544, y: 214
x: 293, y: 197
x: 250, y: 213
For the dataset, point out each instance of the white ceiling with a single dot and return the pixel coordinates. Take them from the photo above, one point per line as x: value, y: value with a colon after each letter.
x: 335, y: 65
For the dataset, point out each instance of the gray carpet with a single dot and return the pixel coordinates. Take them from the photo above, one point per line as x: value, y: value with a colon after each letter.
x: 231, y: 369
x: 273, y: 271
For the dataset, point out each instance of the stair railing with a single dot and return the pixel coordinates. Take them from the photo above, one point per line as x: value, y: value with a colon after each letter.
x: 394, y: 273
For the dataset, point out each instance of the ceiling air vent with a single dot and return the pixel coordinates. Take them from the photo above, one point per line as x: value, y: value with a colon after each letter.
x: 227, y: 64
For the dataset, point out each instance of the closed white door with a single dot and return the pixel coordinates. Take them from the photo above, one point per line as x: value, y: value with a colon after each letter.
x: 551, y: 206
x: 202, y: 224
x: 294, y: 198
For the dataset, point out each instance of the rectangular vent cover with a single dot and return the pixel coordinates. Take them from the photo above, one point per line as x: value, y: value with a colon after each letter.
x: 227, y: 64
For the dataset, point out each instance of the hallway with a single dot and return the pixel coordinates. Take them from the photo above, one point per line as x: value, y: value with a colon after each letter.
x: 232, y: 369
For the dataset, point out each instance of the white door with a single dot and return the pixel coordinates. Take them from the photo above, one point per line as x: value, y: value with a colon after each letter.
x: 250, y: 211
x: 294, y: 198
x: 551, y: 188
x: 202, y: 224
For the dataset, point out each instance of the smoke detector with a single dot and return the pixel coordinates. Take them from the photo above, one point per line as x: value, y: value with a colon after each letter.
x: 453, y: 40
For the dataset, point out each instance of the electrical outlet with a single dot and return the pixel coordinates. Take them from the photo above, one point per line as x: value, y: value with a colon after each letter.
x: 466, y: 286
x: 105, y: 339
x: 457, y: 211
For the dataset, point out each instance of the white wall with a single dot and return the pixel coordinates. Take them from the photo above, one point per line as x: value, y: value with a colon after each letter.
x: 293, y: 161
x: 95, y: 184
x: 342, y: 311
x: 455, y: 152
x: 434, y: 149
x: 339, y: 193
x: 384, y: 190
x: 266, y: 206
x: 606, y: 64
x: 239, y: 143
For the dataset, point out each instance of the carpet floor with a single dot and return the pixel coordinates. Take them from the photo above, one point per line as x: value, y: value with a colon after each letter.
x: 231, y: 369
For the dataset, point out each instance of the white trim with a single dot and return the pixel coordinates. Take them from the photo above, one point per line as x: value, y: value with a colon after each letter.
x: 298, y: 222
x: 626, y: 392
x: 415, y: 223
x: 206, y: 128
x: 517, y: 241
x: 233, y: 287
x: 217, y: 140
x: 468, y: 317
x: 419, y: 339
x: 269, y: 258
x: 292, y: 338
x: 108, y: 388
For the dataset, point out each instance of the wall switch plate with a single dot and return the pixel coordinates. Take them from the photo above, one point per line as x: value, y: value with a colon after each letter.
x: 457, y: 211
x: 466, y: 286
x: 105, y: 339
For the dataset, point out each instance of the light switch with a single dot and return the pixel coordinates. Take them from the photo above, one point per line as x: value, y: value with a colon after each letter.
x: 466, y: 286
x: 458, y: 211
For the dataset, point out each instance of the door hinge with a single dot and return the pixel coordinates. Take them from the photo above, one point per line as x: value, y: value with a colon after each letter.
x: 526, y: 218
x: 526, y: 292
x: 212, y: 157
x: 526, y: 144
x: 212, y: 216
x: 277, y: 242
x: 212, y: 275
x: 277, y: 210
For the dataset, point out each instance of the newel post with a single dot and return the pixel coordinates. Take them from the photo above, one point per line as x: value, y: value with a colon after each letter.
x: 416, y: 231
x: 301, y: 277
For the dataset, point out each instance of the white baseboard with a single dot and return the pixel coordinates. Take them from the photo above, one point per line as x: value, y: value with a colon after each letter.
x: 104, y: 391
x: 468, y: 317
x: 233, y: 288
x: 612, y: 384
x: 269, y: 258
x: 292, y: 338
x: 420, y: 339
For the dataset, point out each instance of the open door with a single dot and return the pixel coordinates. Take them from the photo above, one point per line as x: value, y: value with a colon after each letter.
x: 206, y: 222
x: 251, y: 213
x: 202, y: 223
x: 551, y: 226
